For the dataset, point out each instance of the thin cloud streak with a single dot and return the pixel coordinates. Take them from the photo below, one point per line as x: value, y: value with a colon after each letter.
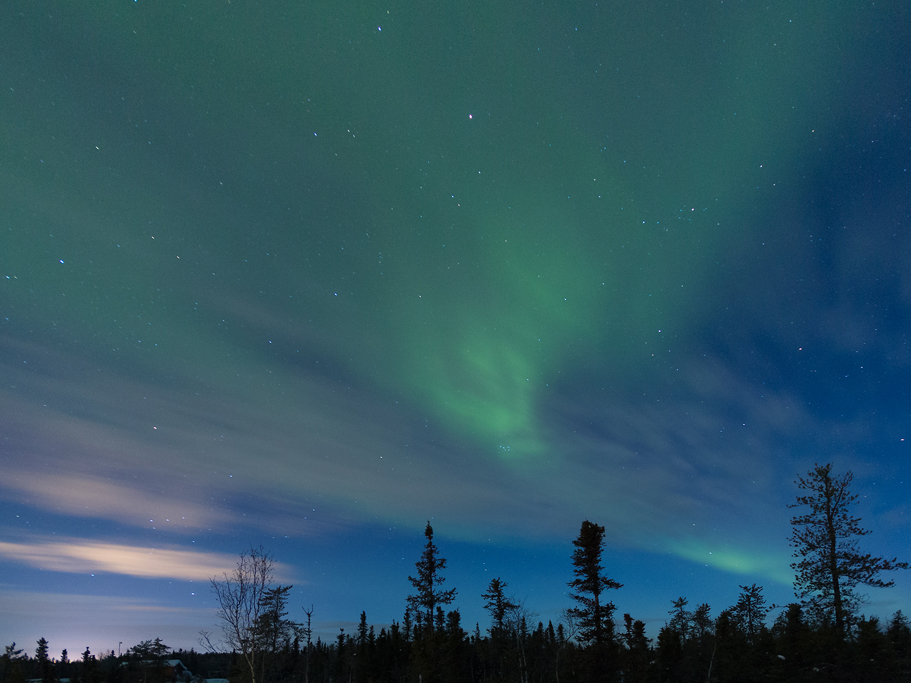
x: 643, y: 465
x: 80, y: 556
x: 654, y: 449
x: 51, y: 605
x: 91, y: 496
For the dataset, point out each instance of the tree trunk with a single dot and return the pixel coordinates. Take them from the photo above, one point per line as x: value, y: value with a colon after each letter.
x: 833, y: 563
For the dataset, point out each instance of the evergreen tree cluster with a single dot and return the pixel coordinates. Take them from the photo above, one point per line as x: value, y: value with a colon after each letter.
x: 693, y: 646
x: 821, y: 638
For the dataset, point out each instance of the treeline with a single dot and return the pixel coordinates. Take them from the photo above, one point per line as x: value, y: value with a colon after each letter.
x: 692, y: 646
x: 822, y: 636
x: 146, y: 662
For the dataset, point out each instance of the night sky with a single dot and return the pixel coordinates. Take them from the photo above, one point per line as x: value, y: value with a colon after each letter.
x: 312, y: 274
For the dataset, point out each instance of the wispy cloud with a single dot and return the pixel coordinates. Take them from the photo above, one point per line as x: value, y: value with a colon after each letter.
x: 52, y: 605
x: 85, y: 556
x: 700, y: 458
x: 93, y: 496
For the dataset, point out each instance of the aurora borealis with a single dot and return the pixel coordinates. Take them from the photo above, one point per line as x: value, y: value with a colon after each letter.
x: 312, y: 274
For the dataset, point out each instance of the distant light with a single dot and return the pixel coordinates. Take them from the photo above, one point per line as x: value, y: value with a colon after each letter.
x: 470, y: 116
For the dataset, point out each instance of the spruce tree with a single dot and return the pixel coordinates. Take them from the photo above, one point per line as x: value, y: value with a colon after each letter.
x: 10, y: 671
x: 830, y: 564
x: 637, y: 652
x: 593, y: 611
x: 750, y: 610
x: 681, y: 619
x: 499, y: 606
x: 63, y: 665
x: 427, y: 607
x: 89, y: 673
x: 427, y: 583
x: 45, y: 668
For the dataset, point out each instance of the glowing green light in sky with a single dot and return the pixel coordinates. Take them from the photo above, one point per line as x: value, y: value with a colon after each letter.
x: 736, y: 561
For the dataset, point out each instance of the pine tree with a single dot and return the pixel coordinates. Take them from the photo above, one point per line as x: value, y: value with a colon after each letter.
x: 454, y: 650
x: 429, y: 596
x: 593, y: 611
x: 89, y: 672
x: 150, y: 656
x: 362, y: 664
x: 731, y: 661
x: 63, y: 665
x: 830, y: 564
x: 426, y: 606
x: 899, y: 634
x: 275, y: 634
x: 342, y: 665
x: 750, y: 610
x: 681, y: 619
x: 150, y: 650
x: 637, y: 653
x: 499, y: 606
x: 10, y: 671
x: 307, y: 632
x: 45, y: 668
x: 702, y: 622
x: 274, y: 631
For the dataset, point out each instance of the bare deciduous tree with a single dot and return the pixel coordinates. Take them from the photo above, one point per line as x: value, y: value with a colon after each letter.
x: 518, y: 617
x: 242, y: 606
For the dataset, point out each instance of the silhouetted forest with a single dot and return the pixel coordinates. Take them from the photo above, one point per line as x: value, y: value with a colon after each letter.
x: 822, y: 637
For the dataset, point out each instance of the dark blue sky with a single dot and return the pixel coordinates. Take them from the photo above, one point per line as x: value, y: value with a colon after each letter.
x: 309, y: 277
